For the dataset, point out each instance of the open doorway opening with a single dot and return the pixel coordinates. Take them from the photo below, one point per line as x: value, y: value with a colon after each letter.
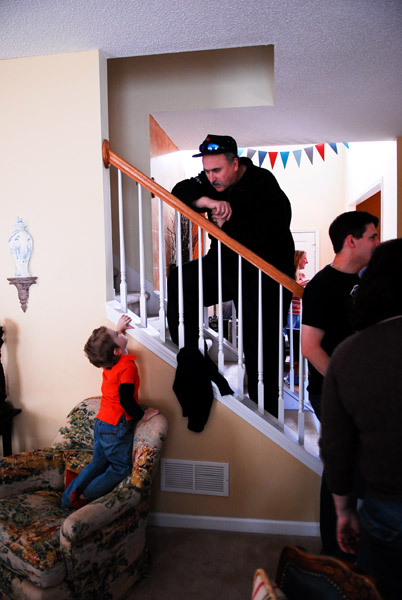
x: 372, y: 204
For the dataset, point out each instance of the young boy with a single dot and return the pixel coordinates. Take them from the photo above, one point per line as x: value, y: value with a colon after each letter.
x: 116, y: 420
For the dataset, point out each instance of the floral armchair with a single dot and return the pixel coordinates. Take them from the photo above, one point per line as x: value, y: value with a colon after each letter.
x: 99, y: 551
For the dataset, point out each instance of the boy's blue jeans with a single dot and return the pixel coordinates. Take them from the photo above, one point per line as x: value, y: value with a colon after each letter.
x: 112, y: 461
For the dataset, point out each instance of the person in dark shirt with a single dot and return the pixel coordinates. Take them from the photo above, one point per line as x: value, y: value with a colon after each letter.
x: 361, y: 416
x: 326, y: 322
x: 248, y: 204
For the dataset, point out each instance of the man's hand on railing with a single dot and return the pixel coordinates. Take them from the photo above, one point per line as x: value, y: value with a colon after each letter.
x: 221, y: 210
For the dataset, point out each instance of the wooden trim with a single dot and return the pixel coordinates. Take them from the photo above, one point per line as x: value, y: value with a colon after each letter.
x: 110, y: 158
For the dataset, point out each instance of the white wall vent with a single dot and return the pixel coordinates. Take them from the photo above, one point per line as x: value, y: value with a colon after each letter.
x: 195, y: 477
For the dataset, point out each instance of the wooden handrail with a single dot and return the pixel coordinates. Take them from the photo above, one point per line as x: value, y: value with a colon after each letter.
x: 110, y: 158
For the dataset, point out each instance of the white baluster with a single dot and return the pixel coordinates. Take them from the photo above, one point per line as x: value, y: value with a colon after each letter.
x: 143, y: 299
x: 300, y: 415
x: 240, y: 359
x: 221, y: 360
x: 162, y: 273
x: 123, y: 276
x: 179, y: 262
x: 281, y: 403
x: 190, y: 239
x: 201, y: 344
x: 291, y: 350
x: 260, y: 386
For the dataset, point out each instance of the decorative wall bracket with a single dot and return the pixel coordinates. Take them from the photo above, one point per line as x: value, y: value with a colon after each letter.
x: 22, y: 284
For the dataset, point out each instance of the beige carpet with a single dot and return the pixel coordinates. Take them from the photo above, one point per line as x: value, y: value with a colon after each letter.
x: 204, y: 565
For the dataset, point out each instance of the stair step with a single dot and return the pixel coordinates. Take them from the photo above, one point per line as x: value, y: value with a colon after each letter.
x: 133, y: 297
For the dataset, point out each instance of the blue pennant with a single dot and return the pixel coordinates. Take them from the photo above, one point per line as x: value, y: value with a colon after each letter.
x: 284, y: 156
x: 297, y: 155
x: 261, y: 156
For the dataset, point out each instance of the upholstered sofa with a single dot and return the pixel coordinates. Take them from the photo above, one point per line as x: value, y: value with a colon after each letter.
x: 98, y: 551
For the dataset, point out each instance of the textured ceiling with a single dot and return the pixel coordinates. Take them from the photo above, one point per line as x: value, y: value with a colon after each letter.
x: 337, y: 62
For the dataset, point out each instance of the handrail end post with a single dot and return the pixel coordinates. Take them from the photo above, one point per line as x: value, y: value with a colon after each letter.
x: 106, y: 153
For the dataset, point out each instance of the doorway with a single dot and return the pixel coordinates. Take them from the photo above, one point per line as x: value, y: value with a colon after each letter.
x: 372, y: 204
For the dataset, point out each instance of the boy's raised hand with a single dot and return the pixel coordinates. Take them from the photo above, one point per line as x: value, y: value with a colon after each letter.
x: 123, y: 323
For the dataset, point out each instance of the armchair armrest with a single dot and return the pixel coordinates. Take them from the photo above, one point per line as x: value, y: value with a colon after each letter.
x: 99, y: 513
x: 35, y: 469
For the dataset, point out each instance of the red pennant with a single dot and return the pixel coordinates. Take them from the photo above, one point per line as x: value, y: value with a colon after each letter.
x: 320, y: 148
x: 272, y: 158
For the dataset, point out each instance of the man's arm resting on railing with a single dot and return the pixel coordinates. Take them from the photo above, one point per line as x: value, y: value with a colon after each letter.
x: 311, y: 339
x: 221, y: 210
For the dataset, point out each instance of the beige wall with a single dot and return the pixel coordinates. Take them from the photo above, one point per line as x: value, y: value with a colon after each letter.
x: 265, y: 481
x: 52, y: 120
x: 52, y: 175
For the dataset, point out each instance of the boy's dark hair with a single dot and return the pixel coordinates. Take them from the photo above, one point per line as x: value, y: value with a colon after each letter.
x: 100, y: 348
x: 349, y: 223
x: 378, y: 296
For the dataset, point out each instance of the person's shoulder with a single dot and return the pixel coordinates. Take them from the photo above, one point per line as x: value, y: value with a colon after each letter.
x: 319, y: 287
x: 321, y: 276
x: 187, y: 186
x: 125, y: 361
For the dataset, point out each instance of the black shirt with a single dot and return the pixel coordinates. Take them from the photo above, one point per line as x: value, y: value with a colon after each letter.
x: 327, y: 305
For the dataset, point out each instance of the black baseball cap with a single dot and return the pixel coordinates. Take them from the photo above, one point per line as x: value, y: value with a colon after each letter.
x: 217, y: 144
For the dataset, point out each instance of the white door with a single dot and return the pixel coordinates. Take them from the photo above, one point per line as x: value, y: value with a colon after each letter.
x: 307, y: 240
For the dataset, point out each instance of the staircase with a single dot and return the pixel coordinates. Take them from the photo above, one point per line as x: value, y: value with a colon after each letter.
x: 295, y: 429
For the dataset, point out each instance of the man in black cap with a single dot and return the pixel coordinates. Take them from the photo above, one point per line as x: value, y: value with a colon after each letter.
x: 248, y: 204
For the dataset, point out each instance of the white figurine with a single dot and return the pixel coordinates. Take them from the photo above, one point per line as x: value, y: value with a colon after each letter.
x: 20, y: 244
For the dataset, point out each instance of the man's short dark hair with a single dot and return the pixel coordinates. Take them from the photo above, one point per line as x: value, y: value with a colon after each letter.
x: 230, y: 157
x: 100, y: 348
x: 349, y: 223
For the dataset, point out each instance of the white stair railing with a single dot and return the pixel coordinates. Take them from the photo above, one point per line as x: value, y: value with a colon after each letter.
x: 236, y: 341
x: 241, y: 371
x: 162, y: 273
x: 281, y: 403
x: 201, y: 312
x: 143, y: 300
x: 221, y: 357
x: 123, y: 275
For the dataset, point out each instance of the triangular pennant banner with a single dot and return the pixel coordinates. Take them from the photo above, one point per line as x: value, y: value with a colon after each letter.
x: 309, y: 151
x: 261, y: 156
x: 284, y: 156
x: 321, y: 150
x: 272, y: 158
x: 297, y: 155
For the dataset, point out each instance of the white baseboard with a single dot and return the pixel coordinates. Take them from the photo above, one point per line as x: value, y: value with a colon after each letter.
x: 305, y: 528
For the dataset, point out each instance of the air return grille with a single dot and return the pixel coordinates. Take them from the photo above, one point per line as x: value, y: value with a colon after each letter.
x: 195, y: 477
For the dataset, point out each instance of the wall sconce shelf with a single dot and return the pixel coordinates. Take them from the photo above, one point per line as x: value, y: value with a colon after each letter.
x: 22, y: 284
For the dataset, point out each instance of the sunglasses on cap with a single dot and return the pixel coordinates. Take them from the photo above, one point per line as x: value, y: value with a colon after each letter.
x: 217, y: 144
